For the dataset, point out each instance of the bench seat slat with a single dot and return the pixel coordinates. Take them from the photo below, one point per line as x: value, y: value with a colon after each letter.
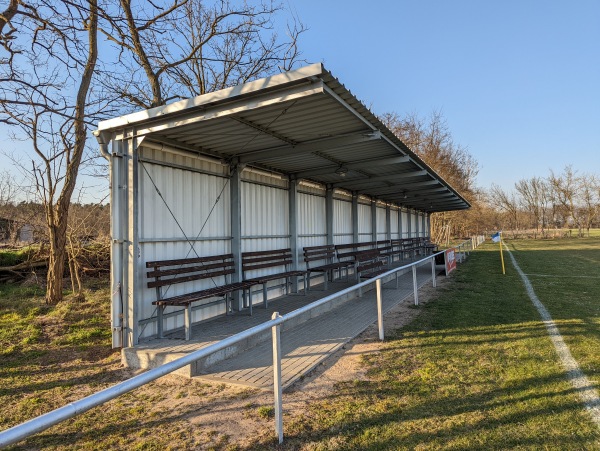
x: 280, y: 275
x: 186, y: 299
x: 201, y: 276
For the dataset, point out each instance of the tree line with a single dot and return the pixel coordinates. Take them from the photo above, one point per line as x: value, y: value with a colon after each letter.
x: 560, y: 200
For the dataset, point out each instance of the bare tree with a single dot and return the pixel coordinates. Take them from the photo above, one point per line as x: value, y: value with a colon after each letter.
x: 565, y: 189
x: 189, y: 47
x: 535, y: 200
x: 432, y: 141
x: 51, y: 53
x: 590, y: 200
x: 508, y: 203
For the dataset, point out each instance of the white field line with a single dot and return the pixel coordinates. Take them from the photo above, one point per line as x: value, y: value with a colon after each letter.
x: 587, y: 393
x: 563, y: 277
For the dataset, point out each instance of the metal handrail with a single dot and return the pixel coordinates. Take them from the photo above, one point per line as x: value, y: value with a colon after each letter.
x: 43, y: 422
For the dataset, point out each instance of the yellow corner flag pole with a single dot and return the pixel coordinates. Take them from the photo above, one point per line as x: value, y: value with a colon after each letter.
x: 501, y: 256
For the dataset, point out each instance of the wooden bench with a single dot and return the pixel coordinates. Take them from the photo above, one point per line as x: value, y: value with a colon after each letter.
x: 348, y: 252
x: 429, y: 247
x: 325, y: 253
x: 387, y: 249
x: 278, y: 258
x: 368, y: 264
x: 169, y: 272
x: 406, y: 246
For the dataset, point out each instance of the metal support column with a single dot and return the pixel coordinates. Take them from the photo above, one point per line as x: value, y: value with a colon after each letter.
x: 379, y: 309
x: 293, y: 218
x: 235, y: 194
x: 355, y: 217
x: 277, y: 389
x: 134, y: 254
x: 400, y: 226
x: 388, y: 222
x: 329, y: 213
x: 415, y: 286
x: 373, y: 220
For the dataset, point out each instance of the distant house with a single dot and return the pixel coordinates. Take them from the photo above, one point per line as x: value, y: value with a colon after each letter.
x: 11, y: 229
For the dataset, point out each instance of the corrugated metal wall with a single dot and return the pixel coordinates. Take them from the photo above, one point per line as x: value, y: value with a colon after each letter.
x: 169, y: 228
x: 381, y: 222
x: 404, y: 218
x: 312, y: 226
x: 364, y: 222
x: 414, y: 227
x: 394, y: 231
x: 265, y: 219
x: 342, y: 221
x: 192, y: 187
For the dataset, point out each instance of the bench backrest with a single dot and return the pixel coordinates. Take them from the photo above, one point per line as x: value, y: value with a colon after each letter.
x: 384, y: 245
x: 319, y: 253
x: 266, y: 259
x: 169, y: 272
x: 345, y: 251
x: 368, y: 259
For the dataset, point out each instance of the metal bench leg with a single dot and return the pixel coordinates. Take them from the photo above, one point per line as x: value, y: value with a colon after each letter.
x: 247, y: 299
x: 305, y: 287
x: 188, y: 322
x: 325, y: 280
x: 159, y: 321
x: 265, y: 303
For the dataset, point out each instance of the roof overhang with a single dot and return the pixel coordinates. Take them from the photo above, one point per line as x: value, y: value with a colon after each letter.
x: 304, y: 124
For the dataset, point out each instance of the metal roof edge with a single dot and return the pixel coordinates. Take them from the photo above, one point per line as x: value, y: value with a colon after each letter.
x: 332, y: 82
x: 227, y: 94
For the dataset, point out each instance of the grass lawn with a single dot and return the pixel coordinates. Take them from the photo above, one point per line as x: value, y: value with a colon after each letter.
x: 476, y: 370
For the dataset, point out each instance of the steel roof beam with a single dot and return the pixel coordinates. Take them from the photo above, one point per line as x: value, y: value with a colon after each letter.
x: 264, y: 130
x: 419, y: 187
x: 308, y: 147
x: 381, y: 178
x: 353, y: 165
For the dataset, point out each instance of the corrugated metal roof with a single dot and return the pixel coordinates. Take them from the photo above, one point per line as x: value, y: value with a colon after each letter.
x: 303, y: 124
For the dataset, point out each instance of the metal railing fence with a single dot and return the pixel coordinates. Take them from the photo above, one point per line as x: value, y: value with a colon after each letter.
x: 45, y: 421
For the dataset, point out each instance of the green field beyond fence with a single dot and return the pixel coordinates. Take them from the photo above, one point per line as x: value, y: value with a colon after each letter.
x: 475, y: 370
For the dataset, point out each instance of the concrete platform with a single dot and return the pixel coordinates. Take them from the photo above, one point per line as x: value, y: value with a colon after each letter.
x: 306, y: 341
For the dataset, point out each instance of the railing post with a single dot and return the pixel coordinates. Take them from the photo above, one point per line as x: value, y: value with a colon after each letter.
x: 277, y: 391
x: 379, y: 308
x: 433, y: 279
x: 415, y: 287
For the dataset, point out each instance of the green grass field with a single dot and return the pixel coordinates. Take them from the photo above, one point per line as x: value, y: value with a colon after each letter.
x: 475, y: 370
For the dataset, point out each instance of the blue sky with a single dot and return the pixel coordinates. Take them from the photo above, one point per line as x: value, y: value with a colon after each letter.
x: 517, y: 81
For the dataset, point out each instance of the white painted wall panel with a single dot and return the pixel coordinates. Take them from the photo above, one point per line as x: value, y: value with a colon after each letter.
x: 413, y: 227
x: 184, y: 214
x: 264, y: 214
x: 394, y: 224
x: 312, y: 228
x: 381, y: 223
x: 186, y: 207
x: 404, y: 217
x: 364, y: 223
x: 342, y: 222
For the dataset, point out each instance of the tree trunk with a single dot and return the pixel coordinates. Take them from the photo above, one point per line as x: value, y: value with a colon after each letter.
x: 57, y: 226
